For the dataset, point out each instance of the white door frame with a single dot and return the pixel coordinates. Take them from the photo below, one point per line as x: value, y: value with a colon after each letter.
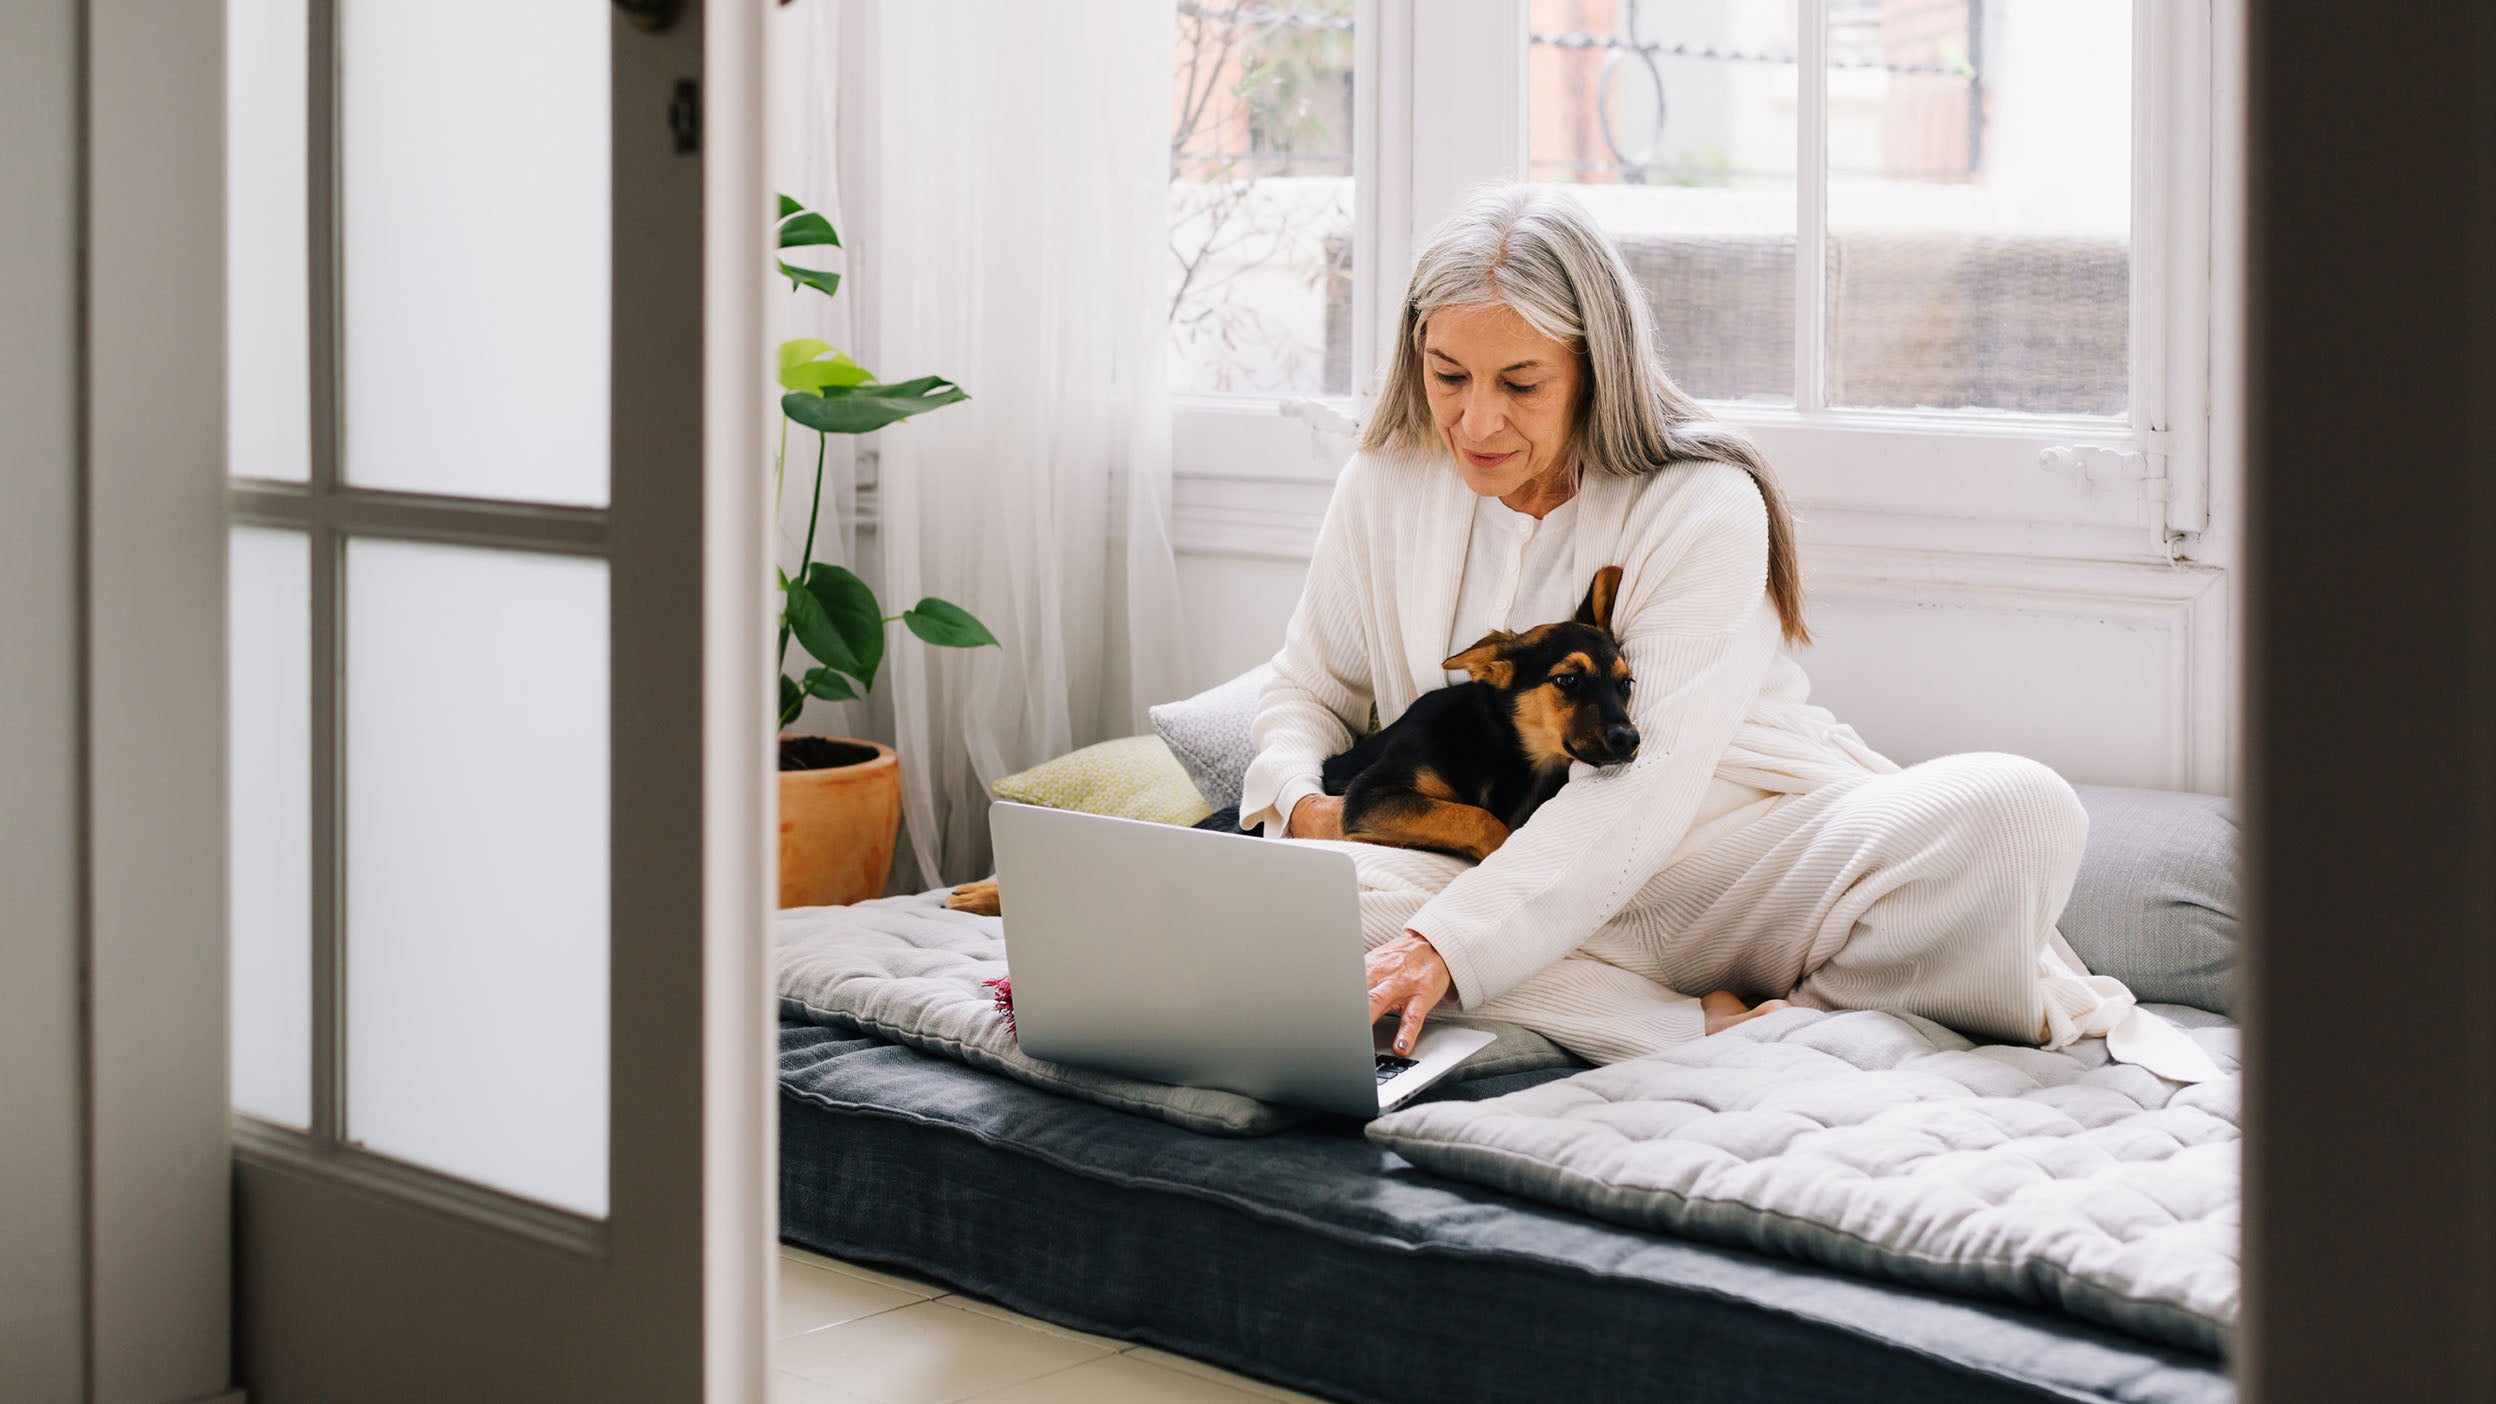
x: 159, y: 1160
x: 162, y: 1181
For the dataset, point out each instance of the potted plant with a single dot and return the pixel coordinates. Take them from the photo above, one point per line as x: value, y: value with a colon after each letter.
x: 840, y: 797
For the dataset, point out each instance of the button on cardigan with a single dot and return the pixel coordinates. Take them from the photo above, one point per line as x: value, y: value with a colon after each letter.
x: 1716, y: 696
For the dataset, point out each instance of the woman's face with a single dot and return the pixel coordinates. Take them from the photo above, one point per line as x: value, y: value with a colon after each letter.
x: 1504, y: 396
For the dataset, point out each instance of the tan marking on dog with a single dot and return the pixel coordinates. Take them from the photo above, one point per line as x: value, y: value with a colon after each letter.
x: 1597, y: 610
x: 1620, y: 670
x: 1488, y: 661
x: 1542, y: 725
x: 1585, y: 665
x: 979, y: 898
x: 1429, y: 782
x: 1534, y: 636
x: 1444, y: 825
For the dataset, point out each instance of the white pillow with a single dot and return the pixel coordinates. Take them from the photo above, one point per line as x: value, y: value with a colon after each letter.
x: 1209, y: 734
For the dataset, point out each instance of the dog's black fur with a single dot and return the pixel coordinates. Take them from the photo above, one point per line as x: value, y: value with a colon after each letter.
x: 1467, y: 764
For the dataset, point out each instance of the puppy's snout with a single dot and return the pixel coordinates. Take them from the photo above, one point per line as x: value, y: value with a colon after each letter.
x: 1621, y: 739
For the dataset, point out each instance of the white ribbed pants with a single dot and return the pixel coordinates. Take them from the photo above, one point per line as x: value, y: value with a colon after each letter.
x: 1933, y: 890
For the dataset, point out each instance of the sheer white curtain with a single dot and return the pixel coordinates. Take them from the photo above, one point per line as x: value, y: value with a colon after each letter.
x: 1007, y: 178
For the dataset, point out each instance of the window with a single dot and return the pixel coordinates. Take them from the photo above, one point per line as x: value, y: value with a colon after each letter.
x: 1970, y: 218
x: 1261, y: 198
x: 1943, y: 257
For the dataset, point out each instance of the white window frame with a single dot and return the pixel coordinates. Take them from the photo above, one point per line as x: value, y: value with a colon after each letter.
x: 1440, y: 102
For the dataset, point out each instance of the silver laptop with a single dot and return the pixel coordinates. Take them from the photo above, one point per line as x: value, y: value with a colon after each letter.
x: 1200, y: 959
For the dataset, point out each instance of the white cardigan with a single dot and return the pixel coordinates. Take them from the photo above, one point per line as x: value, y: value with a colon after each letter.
x: 1715, y: 695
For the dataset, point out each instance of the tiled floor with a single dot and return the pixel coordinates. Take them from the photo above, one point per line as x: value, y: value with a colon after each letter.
x: 851, y: 1335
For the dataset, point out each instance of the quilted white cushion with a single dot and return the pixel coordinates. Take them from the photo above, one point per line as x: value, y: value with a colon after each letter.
x: 913, y: 971
x: 1888, y: 1145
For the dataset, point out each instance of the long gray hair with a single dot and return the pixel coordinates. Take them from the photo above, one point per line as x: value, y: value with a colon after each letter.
x: 1534, y: 250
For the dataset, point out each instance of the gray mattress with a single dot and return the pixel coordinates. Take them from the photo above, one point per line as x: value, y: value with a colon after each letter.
x: 1319, y: 1260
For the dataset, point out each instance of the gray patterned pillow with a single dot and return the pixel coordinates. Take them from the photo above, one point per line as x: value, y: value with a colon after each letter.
x: 1209, y: 734
x: 2155, y: 903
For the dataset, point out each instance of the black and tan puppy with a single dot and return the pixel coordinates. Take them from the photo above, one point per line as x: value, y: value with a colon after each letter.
x: 1469, y: 763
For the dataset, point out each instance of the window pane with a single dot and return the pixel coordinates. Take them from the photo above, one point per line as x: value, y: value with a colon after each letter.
x: 269, y: 798
x: 476, y: 800
x: 473, y: 196
x: 1980, y: 204
x: 268, y: 322
x: 1675, y: 124
x: 1261, y: 198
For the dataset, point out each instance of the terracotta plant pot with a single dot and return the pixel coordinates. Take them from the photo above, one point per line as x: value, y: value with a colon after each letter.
x: 840, y: 811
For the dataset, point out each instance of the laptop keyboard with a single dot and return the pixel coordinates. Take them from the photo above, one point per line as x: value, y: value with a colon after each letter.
x: 1391, y: 1066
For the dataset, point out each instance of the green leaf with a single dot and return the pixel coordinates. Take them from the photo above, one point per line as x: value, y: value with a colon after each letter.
x: 946, y: 625
x: 803, y: 367
x: 789, y: 207
x: 805, y: 229
x: 798, y: 350
x: 812, y: 625
x: 816, y: 278
x: 792, y: 698
x: 859, y: 409
x: 850, y: 607
x: 830, y: 686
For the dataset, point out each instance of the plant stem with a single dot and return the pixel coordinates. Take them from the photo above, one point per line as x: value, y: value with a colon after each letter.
x: 779, y: 469
x: 806, y: 557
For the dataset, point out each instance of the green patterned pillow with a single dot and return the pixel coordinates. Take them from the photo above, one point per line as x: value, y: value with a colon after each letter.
x: 1134, y: 777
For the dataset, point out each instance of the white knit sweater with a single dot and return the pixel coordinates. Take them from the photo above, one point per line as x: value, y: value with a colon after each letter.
x: 1715, y: 694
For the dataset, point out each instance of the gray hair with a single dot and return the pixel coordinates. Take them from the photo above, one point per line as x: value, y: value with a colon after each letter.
x: 1536, y: 251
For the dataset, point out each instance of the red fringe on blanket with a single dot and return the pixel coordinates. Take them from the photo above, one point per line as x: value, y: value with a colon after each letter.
x: 1004, y: 987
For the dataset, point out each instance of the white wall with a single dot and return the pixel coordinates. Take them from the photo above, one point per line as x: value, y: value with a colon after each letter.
x: 42, y: 1256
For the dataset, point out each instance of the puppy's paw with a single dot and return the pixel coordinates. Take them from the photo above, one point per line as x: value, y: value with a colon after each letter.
x: 978, y: 898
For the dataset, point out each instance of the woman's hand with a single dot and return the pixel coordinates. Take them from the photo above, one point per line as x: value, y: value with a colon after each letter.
x: 1315, y: 817
x: 1406, y: 975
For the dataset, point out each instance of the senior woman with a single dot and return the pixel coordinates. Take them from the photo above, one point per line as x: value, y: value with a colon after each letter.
x: 1755, y: 852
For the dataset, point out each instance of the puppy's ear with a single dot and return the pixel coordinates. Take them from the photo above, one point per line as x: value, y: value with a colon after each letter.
x: 1487, y: 660
x: 1597, y: 610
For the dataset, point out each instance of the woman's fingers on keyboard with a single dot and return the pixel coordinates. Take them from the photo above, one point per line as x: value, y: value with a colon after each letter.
x: 1408, y: 1033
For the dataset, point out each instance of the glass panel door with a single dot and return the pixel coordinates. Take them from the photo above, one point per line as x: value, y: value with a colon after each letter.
x: 500, y: 709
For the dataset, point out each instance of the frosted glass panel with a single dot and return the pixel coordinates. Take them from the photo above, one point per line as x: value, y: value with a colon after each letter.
x: 269, y: 798
x: 473, y: 194
x: 268, y: 357
x: 476, y: 800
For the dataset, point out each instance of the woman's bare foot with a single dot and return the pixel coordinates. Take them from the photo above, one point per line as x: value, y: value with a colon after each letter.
x: 1725, y: 1009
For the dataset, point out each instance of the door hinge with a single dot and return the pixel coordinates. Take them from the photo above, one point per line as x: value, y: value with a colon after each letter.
x: 684, y: 116
x: 649, y: 16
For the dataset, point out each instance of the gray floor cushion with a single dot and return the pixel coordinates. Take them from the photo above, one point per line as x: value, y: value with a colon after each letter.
x: 1888, y: 1145
x: 1317, y: 1259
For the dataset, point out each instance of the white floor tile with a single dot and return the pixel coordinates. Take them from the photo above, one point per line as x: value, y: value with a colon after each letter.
x: 1209, y: 1371
x: 812, y: 1298
x: 918, y: 1288
x: 1004, y: 1313
x: 930, y: 1352
x: 797, y: 1389
x: 1119, y: 1379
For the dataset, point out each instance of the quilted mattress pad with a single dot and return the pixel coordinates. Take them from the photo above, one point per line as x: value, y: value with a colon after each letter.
x: 1888, y: 1145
